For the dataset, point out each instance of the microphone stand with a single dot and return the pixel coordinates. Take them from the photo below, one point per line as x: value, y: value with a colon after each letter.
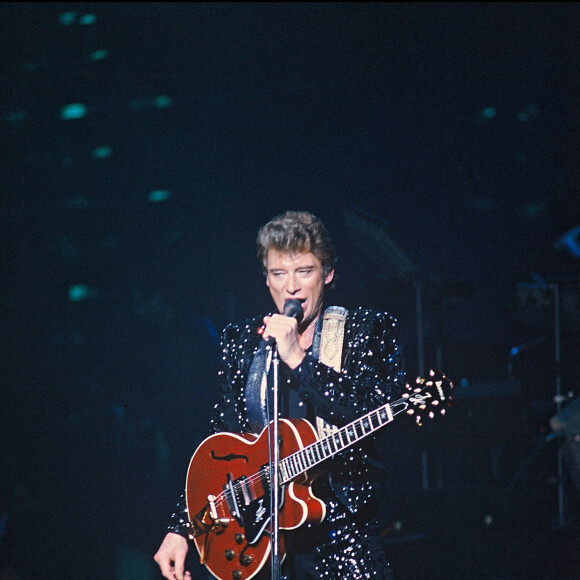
x: 292, y: 308
x: 274, y: 456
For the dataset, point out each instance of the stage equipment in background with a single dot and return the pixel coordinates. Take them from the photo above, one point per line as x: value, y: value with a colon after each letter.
x: 570, y: 241
x: 567, y: 424
x: 557, y: 299
x: 376, y: 242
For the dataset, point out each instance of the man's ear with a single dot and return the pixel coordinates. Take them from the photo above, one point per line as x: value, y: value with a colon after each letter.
x: 329, y: 277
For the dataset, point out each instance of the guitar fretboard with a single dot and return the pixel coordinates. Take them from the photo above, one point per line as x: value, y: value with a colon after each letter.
x: 342, y: 438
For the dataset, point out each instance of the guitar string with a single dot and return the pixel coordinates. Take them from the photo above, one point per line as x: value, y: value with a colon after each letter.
x: 324, y: 451
x: 301, y: 455
x: 322, y: 446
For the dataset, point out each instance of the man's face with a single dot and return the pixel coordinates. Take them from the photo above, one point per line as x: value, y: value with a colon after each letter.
x: 297, y: 275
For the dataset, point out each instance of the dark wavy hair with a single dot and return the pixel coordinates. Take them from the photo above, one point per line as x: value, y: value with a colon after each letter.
x: 296, y: 231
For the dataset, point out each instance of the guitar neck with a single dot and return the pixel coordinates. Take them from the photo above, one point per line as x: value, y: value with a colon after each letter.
x: 317, y: 452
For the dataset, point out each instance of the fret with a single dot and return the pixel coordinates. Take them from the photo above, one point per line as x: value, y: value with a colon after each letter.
x: 329, y: 450
x: 337, y: 444
x: 296, y: 460
x: 331, y: 445
x: 283, y: 471
x: 314, y: 454
x: 292, y: 467
x: 300, y: 460
x: 315, y: 458
x: 317, y: 449
x: 383, y: 417
x: 306, y: 459
x: 351, y: 433
x: 378, y: 416
x: 296, y: 465
x: 345, y: 429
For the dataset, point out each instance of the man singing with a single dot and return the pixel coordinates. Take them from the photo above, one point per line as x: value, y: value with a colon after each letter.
x: 336, y: 365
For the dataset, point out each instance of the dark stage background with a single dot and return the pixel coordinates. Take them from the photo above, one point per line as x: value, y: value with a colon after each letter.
x: 143, y: 145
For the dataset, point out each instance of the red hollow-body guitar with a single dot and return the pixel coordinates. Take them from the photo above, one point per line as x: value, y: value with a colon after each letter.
x: 228, y: 480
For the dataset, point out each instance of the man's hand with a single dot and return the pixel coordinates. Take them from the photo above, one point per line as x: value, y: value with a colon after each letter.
x: 171, y: 557
x: 285, y: 330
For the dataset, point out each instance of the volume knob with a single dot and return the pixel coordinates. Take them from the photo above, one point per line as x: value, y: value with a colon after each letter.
x: 245, y: 560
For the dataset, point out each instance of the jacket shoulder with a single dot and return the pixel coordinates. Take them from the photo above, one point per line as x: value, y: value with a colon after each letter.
x: 239, y: 332
x: 368, y: 316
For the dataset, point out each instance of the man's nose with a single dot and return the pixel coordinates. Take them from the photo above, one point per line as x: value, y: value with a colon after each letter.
x: 293, y: 284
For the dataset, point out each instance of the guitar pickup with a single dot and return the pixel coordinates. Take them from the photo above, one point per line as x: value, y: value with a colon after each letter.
x: 232, y: 499
x: 245, y: 490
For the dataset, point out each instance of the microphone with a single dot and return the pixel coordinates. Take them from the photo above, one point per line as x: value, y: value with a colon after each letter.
x: 292, y: 309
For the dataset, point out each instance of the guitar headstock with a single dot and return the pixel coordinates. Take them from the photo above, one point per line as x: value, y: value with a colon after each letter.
x: 429, y: 396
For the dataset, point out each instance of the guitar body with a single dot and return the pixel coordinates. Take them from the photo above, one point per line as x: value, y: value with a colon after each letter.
x: 228, y: 499
x: 228, y: 480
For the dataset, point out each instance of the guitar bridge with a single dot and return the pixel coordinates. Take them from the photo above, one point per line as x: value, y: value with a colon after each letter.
x: 207, y: 519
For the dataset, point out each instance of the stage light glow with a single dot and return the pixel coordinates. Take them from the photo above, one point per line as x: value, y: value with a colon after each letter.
x: 571, y: 241
x: 99, y: 54
x: 489, y: 113
x: 527, y: 113
x: 87, y: 19
x: 16, y: 117
x: 67, y: 18
x: 147, y: 103
x: 163, y: 101
x: 73, y: 111
x: 159, y: 195
x: 533, y: 209
x: 77, y: 202
x: 102, y: 152
x: 79, y: 292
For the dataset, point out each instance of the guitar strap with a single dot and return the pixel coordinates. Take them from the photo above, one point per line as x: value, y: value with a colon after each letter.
x: 330, y: 352
x: 256, y: 388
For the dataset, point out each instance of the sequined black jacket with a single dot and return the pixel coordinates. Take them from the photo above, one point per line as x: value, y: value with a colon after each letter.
x: 372, y: 374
